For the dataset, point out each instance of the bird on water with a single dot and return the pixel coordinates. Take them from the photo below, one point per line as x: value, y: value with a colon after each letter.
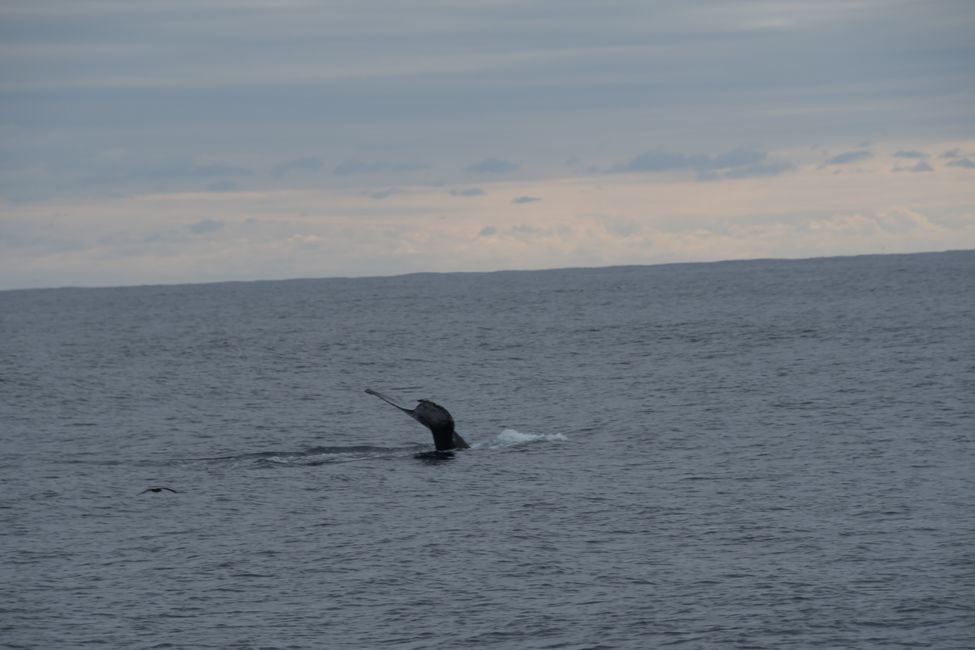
x: 158, y: 489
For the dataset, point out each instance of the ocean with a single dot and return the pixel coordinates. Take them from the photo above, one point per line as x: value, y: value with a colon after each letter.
x: 759, y: 454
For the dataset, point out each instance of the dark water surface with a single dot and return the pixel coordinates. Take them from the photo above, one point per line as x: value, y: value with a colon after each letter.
x: 738, y: 455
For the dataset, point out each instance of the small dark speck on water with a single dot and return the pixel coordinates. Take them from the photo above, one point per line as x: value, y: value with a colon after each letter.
x: 765, y: 454
x: 158, y: 490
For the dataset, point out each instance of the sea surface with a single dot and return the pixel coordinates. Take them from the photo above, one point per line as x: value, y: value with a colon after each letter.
x: 763, y: 454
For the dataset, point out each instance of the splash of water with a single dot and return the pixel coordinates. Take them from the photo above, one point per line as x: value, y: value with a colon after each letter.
x: 511, y: 437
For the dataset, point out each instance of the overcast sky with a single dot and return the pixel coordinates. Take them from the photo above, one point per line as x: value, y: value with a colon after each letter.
x: 167, y: 141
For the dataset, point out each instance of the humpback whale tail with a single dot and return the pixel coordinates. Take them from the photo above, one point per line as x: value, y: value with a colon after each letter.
x: 434, y: 417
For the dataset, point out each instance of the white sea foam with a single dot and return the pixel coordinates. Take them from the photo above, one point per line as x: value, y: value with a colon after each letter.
x: 509, y: 437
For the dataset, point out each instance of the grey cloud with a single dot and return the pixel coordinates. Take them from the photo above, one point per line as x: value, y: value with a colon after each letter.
x: 662, y: 161
x: 740, y: 157
x: 181, y: 170
x: 210, y: 171
x: 964, y: 163
x: 223, y: 186
x: 521, y: 200
x: 305, y: 165
x: 736, y: 163
x: 488, y: 231
x: 385, y: 194
x: 131, y: 173
x: 492, y: 166
x: 623, y: 228
x: 771, y: 168
x: 920, y: 167
x: 473, y: 191
x: 952, y: 153
x: 916, y: 155
x: 849, y: 157
x: 353, y: 167
x: 205, y: 227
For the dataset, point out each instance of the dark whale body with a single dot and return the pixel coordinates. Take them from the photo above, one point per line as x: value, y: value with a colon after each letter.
x: 434, y: 417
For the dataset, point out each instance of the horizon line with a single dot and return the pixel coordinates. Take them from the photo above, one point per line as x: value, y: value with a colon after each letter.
x: 494, y: 271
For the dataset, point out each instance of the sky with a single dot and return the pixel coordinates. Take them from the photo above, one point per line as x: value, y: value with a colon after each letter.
x: 173, y: 141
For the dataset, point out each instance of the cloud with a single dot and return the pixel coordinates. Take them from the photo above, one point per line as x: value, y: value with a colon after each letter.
x: 470, y: 192
x: 126, y: 170
x: 921, y: 166
x: 952, y: 153
x: 964, y: 163
x: 488, y: 231
x: 353, y: 167
x: 385, y: 194
x: 622, y: 227
x: 849, y: 157
x: 521, y: 200
x: 205, y: 227
x: 492, y: 166
x: 172, y: 170
x: 304, y: 165
x: 740, y: 157
x: 736, y: 163
x: 223, y: 186
x: 213, y: 170
x: 916, y: 155
x: 662, y: 161
x: 770, y: 168
x: 898, y: 223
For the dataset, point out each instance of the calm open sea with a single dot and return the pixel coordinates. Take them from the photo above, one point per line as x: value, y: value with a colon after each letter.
x: 765, y: 454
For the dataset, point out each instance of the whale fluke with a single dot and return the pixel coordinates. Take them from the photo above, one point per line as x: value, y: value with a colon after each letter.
x: 434, y: 417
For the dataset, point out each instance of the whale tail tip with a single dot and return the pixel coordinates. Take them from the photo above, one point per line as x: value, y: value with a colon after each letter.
x: 434, y: 417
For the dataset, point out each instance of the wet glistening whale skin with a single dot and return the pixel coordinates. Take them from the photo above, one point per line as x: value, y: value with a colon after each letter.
x: 434, y: 417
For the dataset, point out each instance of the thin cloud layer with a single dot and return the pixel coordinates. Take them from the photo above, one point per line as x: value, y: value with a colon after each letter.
x: 387, y: 193
x: 205, y: 226
x: 469, y: 192
x: 355, y: 167
x: 849, y: 157
x: 964, y: 163
x: 303, y: 165
x: 922, y: 166
x: 736, y: 163
x: 492, y: 166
